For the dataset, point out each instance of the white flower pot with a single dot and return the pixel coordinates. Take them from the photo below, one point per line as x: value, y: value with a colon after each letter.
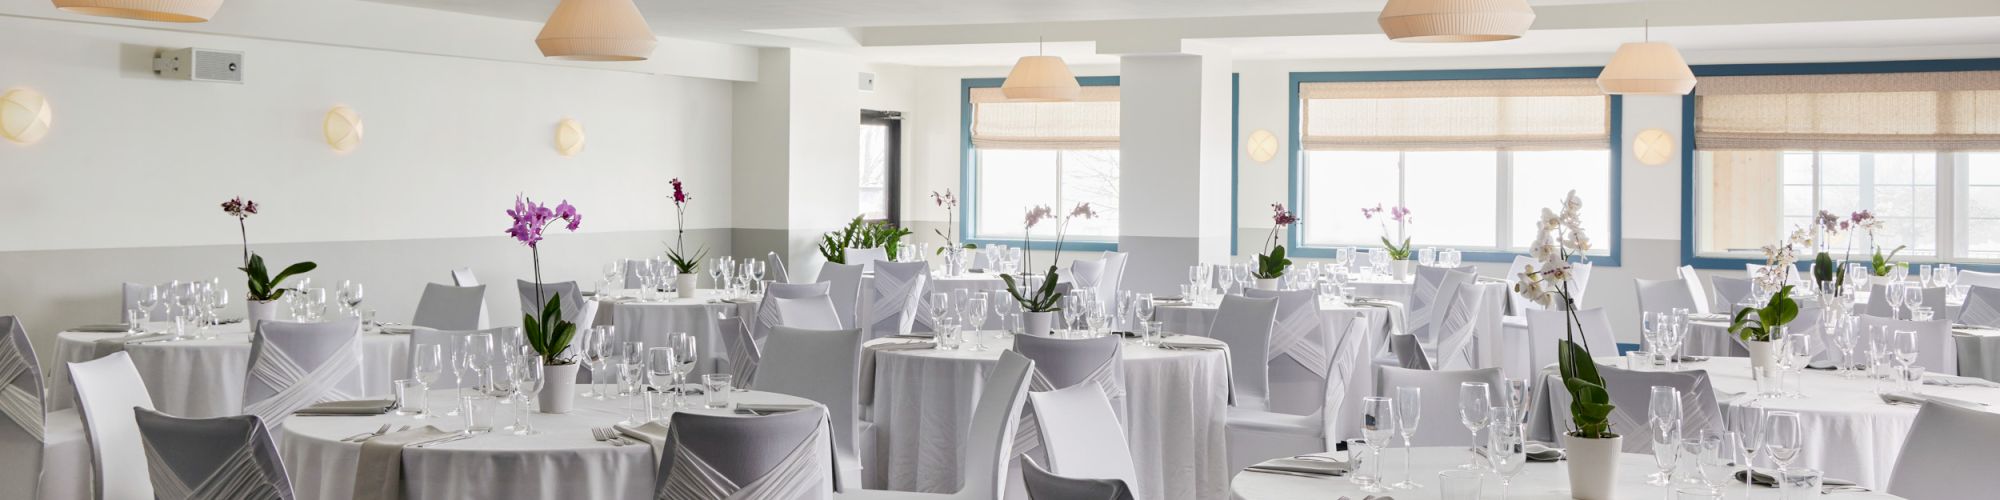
x: 684, y: 285
x: 259, y: 311
x: 1593, y: 467
x: 1763, y: 355
x: 1037, y: 323
x: 1875, y: 281
x: 1267, y: 284
x: 558, y: 388
x: 1401, y: 268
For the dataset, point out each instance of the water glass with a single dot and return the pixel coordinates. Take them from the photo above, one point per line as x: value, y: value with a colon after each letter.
x: 1800, y: 483
x: 1152, y: 333
x: 1358, y: 462
x: 1638, y: 359
x: 1692, y: 492
x: 1912, y: 378
x: 1921, y: 313
x: 407, y: 395
x: 1458, y: 485
x: 718, y: 386
x: 473, y: 418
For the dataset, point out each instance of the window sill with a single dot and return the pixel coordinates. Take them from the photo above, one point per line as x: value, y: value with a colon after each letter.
x: 1068, y: 246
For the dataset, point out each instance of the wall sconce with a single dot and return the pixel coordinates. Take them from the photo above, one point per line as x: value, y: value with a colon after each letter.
x: 569, y: 137
x: 1653, y: 147
x: 1263, y: 146
x: 24, y: 115
x: 342, y: 128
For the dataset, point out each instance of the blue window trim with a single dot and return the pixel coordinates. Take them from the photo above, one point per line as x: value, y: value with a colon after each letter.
x: 1616, y: 117
x: 1688, y: 256
x: 968, y: 164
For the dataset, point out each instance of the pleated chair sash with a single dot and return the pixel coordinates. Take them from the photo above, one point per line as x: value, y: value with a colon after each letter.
x: 237, y: 478
x: 1294, y: 336
x: 892, y: 301
x: 297, y: 386
x: 1107, y: 377
x: 796, y: 476
x: 18, y: 404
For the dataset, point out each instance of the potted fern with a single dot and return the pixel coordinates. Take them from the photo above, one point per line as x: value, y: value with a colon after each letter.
x: 1592, y: 446
x: 1272, y: 264
x: 1040, y: 302
x: 1400, y: 259
x: 264, y: 289
x: 550, y: 333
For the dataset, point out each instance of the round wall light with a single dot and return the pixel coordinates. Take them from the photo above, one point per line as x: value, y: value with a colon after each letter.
x: 342, y: 128
x: 569, y: 137
x: 24, y: 116
x: 1653, y: 146
x: 1263, y: 146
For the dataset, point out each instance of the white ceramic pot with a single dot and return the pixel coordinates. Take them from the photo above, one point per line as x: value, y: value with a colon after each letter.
x: 1401, y: 268
x: 1593, y: 467
x: 558, y: 388
x: 684, y: 284
x: 1037, y: 323
x: 260, y: 310
x: 1875, y: 281
x: 1763, y: 355
x: 1267, y: 284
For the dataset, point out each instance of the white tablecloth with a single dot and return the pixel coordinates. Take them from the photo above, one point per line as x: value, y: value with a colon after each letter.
x: 563, y: 462
x: 1175, y: 402
x: 1293, y: 389
x: 1537, y: 481
x: 650, y: 321
x: 204, y: 378
x: 977, y: 282
x: 1850, y: 433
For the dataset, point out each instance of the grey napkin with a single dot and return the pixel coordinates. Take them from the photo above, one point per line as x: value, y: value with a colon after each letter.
x: 1315, y: 467
x: 106, y: 328
x: 652, y: 433
x: 1826, y: 484
x: 1537, y: 452
x: 348, y: 408
x: 769, y: 408
x: 398, y: 330
x: 1919, y: 399
x: 1957, y: 381
x: 378, y: 474
x: 117, y: 344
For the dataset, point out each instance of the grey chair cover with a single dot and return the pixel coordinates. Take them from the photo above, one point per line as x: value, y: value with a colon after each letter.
x: 844, y: 285
x: 1940, y: 457
x: 774, y: 268
x: 293, y: 365
x: 812, y: 313
x: 450, y: 343
x: 1658, y: 296
x: 1982, y: 306
x: 1086, y: 273
x: 1044, y: 485
x: 1245, y: 324
x: 1878, y: 302
x: 572, y: 298
x: 1440, y: 392
x: 1976, y: 278
x: 1937, y: 351
x: 820, y: 365
x: 1632, y: 393
x: 107, y: 389
x: 1084, y: 438
x: 1548, y: 327
x: 130, y: 301
x: 1728, y: 291
x: 447, y: 307
x: 226, y: 458
x: 767, y: 309
x: 1409, y: 351
x: 889, y: 307
x: 1113, y: 279
x: 22, y: 410
x: 632, y: 278
x: 463, y: 277
x: 716, y: 457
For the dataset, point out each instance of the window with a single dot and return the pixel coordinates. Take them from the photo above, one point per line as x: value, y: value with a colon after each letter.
x: 1057, y: 154
x: 1774, y: 151
x: 881, y: 134
x: 1475, y: 161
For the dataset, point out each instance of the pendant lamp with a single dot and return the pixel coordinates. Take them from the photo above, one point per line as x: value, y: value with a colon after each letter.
x: 1454, y: 21
x: 1647, y: 68
x: 172, y: 11
x: 596, y: 30
x: 1041, y: 78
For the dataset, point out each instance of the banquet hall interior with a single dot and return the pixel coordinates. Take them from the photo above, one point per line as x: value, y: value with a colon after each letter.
x: 1016, y: 249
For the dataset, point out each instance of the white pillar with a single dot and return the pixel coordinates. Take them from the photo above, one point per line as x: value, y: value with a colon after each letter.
x: 1174, y: 177
x: 796, y: 143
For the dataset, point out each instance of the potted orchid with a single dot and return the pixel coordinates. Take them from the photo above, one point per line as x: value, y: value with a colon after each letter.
x: 1593, y: 447
x: 949, y: 203
x: 550, y: 334
x: 1399, y: 255
x: 1829, y: 275
x: 686, y: 264
x: 264, y: 290
x: 1041, y: 302
x: 1760, y: 327
x: 1271, y: 264
x: 1879, y: 265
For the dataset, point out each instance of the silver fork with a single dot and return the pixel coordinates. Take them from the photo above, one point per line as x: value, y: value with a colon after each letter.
x: 615, y: 437
x: 368, y: 435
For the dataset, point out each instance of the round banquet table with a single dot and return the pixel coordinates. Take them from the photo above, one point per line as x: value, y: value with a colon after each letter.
x: 562, y: 462
x: 1850, y: 433
x: 1175, y: 401
x: 204, y: 378
x: 1293, y: 388
x: 1537, y: 481
x: 650, y: 321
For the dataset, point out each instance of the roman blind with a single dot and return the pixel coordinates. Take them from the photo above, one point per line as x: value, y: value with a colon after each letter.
x: 1090, y: 122
x: 1934, y: 111
x: 1526, y: 114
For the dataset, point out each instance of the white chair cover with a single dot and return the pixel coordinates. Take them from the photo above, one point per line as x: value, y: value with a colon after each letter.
x: 1728, y: 292
x: 23, y: 409
x: 744, y: 353
x: 1658, y: 296
x: 107, y: 389
x: 774, y: 268
x: 1298, y: 325
x: 867, y: 257
x: 989, y: 444
x: 1065, y: 363
x: 1409, y: 352
x: 890, y: 306
x: 767, y: 309
x: 1043, y: 485
x: 130, y: 302
x: 1977, y: 278
x: 1082, y: 434
x: 1429, y: 286
x: 713, y: 457
x: 1548, y: 327
x: 632, y: 277
x: 451, y: 307
x: 1632, y: 393
x: 1697, y: 294
x: 1982, y: 306
x: 293, y: 365
x: 811, y: 313
x: 1258, y: 435
x: 1440, y: 404
x: 844, y: 285
x: 1113, y: 279
x: 1940, y: 457
x: 450, y: 343
x: 226, y: 458
x: 1937, y: 351
x: 1457, y: 312
x: 820, y: 365
x: 574, y: 309
x: 1878, y: 302
x: 463, y: 277
x: 1579, y: 280
x: 1245, y: 325
x: 1086, y: 274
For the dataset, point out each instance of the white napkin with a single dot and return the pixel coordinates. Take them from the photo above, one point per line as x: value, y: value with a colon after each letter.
x: 378, y: 474
x: 1919, y: 399
x: 651, y: 433
x: 107, y: 328
x: 1192, y: 344
x: 1317, y: 467
x: 1957, y: 381
x: 769, y: 408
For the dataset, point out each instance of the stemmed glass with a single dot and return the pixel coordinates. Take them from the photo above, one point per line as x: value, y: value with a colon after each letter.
x: 350, y: 295
x: 660, y: 370
x: 528, y: 381
x: 1782, y: 439
x: 475, y: 357
x: 1903, y: 345
x: 1913, y: 296
x: 149, y: 298
x: 1894, y: 293
x: 975, y: 320
x: 685, y: 357
x: 940, y: 308
x: 1799, y: 347
x: 1007, y: 310
x: 586, y: 343
x: 613, y: 277
x: 1409, y: 409
x: 427, y: 362
x: 502, y: 386
x: 218, y: 299
x: 1226, y: 280
x: 1507, y: 451
x: 1663, y: 419
x: 1378, y: 426
x: 1475, y: 411
x: 1143, y: 309
x: 1194, y: 275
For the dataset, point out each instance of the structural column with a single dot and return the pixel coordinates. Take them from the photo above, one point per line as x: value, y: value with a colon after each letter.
x: 1174, y: 154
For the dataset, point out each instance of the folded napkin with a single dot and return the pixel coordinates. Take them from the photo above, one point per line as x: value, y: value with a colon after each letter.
x: 1920, y: 399
x: 398, y: 330
x: 769, y: 408
x: 354, y: 407
x: 117, y: 344
x: 1537, y: 452
x: 1826, y: 484
x: 1974, y: 327
x: 378, y: 474
x: 1957, y: 381
x: 652, y: 433
x: 105, y: 328
x: 1689, y: 359
x: 1190, y: 344
x: 1317, y: 467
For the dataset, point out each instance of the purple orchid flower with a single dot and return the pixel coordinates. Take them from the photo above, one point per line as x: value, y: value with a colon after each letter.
x: 1282, y: 217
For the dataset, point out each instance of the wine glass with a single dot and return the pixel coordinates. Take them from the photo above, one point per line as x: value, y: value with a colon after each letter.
x: 586, y: 338
x: 1913, y: 296
x: 501, y: 386
x: 660, y: 369
x: 1800, y: 348
x: 427, y: 362
x: 1475, y: 411
x: 528, y: 382
x: 1663, y: 419
x: 1378, y: 426
x: 1409, y: 409
x: 940, y: 307
x: 685, y: 357
x: 1894, y: 293
x: 1226, y: 280
x: 715, y: 270
x: 1903, y: 346
x: 1516, y: 399
x: 149, y: 298
x: 475, y: 357
x: 1007, y: 310
x: 1506, y: 451
x: 217, y: 301
x: 975, y: 320
x: 1194, y: 277
x: 1781, y: 438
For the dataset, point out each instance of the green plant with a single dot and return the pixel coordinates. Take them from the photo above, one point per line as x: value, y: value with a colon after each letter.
x: 549, y: 335
x: 1879, y: 265
x: 1547, y: 282
x: 1776, y: 313
x: 1397, y: 252
x: 1272, y: 263
x: 1043, y: 298
x: 860, y: 234
x: 263, y: 287
x: 1827, y: 272
x: 1399, y: 215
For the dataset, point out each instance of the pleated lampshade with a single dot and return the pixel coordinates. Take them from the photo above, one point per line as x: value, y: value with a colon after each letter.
x: 596, y: 30
x: 172, y: 11
x: 1041, y: 78
x: 1455, y: 20
x: 1647, y: 68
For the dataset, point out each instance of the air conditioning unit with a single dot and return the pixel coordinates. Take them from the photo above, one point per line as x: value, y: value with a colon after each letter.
x: 201, y: 65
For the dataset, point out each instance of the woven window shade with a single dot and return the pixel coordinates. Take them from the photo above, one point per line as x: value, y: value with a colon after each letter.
x: 1455, y: 115
x: 1938, y: 111
x: 1089, y: 122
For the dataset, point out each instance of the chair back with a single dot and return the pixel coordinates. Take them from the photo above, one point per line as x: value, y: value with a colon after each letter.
x: 1043, y: 485
x: 889, y: 306
x: 1982, y: 306
x: 1061, y: 363
x: 1409, y: 352
x: 1300, y: 361
x: 767, y: 310
x: 1086, y: 273
x: 211, y: 458
x: 130, y: 300
x: 1113, y: 279
x: 1696, y: 293
x: 1944, y: 440
x: 107, y: 389
x: 867, y: 257
x: 632, y: 276
x: 744, y: 352
x: 1245, y: 325
x: 1878, y: 302
x: 1937, y: 351
x: 1632, y: 394
x: 1579, y: 279
x: 729, y: 456
x: 293, y: 365
x: 1439, y: 425
x: 22, y: 430
x: 844, y: 285
x: 1728, y: 292
x: 1082, y: 434
x: 983, y: 465
x: 1456, y: 314
x: 1548, y: 327
x: 1658, y: 296
x: 450, y: 344
x: 774, y: 268
x: 1430, y: 284
x: 811, y: 313
x: 820, y: 365
x: 447, y: 307
x: 572, y: 300
x: 463, y: 277
x: 1978, y: 278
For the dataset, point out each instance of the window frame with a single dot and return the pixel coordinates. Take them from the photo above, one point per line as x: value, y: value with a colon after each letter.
x: 968, y: 175
x: 1952, y: 163
x: 1296, y: 155
x: 892, y: 183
